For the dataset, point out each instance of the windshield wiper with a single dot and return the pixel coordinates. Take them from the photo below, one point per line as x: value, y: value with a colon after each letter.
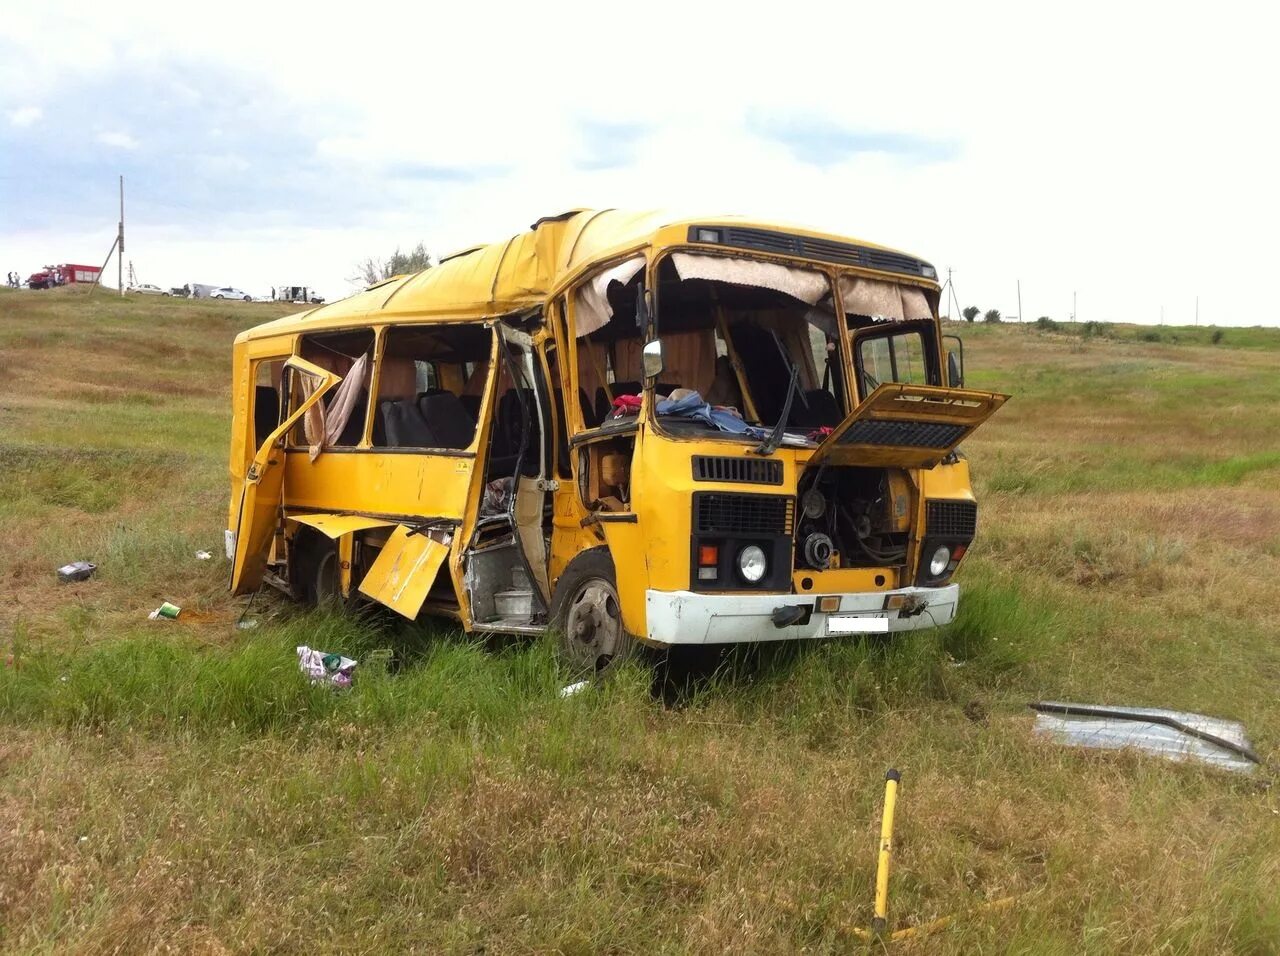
x: 775, y: 436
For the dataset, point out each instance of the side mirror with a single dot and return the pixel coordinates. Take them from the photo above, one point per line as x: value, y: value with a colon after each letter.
x: 652, y: 359
x: 955, y: 362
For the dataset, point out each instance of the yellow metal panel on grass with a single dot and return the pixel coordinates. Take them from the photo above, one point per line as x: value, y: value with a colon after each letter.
x: 405, y: 570
x: 335, y: 526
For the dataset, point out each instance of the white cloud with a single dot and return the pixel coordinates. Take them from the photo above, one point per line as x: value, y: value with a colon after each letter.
x: 25, y: 116
x: 118, y: 139
x: 1117, y: 152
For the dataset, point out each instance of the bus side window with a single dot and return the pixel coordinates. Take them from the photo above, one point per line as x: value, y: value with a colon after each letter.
x: 430, y: 384
x: 266, y: 400
x: 337, y: 352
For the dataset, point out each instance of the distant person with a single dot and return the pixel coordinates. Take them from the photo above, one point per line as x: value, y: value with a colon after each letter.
x: 273, y: 293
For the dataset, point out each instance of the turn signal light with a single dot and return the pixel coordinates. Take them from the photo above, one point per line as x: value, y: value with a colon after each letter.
x: 708, y: 554
x: 829, y: 605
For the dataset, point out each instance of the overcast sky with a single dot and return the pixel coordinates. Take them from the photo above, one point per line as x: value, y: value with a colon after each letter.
x: 1123, y: 152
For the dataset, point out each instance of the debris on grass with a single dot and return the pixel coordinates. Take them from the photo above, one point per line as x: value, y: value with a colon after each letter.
x: 248, y: 625
x: 203, y: 555
x: 322, y: 668
x: 76, y: 571
x: 166, y: 610
x: 577, y: 688
x: 1172, y: 734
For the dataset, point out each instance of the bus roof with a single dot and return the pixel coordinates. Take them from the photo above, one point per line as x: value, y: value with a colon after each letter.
x: 520, y: 273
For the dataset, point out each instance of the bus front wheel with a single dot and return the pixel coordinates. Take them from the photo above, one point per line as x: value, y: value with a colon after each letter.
x: 587, y: 616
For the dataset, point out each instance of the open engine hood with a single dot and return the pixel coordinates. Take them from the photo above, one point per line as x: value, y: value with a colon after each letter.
x: 906, y: 426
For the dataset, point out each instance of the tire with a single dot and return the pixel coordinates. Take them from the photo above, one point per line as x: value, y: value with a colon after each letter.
x: 164, y: 295
x: 248, y: 298
x: 313, y: 569
x: 587, y: 616
x: 217, y: 297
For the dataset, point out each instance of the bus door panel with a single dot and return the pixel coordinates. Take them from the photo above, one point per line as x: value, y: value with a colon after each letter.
x: 262, y: 490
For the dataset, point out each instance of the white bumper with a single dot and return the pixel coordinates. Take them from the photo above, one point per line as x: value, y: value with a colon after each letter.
x: 686, y: 617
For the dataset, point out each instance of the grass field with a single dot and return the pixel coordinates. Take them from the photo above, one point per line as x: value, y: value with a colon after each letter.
x: 175, y: 786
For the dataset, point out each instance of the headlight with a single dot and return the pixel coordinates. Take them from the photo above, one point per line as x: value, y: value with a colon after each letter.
x: 938, y: 563
x: 751, y: 563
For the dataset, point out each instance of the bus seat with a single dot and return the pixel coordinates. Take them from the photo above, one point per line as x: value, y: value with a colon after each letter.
x: 403, y: 424
x: 447, y: 420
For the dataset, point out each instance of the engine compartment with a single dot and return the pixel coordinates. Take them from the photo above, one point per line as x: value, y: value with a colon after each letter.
x: 852, y: 518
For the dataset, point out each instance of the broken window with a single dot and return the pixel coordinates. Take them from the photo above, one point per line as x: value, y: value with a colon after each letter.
x: 733, y: 329
x: 339, y: 420
x: 266, y: 400
x: 430, y: 384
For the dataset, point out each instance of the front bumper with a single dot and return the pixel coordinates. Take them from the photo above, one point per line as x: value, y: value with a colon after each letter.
x: 686, y: 617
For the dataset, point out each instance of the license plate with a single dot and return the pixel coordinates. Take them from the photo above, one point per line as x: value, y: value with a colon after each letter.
x: 857, y: 625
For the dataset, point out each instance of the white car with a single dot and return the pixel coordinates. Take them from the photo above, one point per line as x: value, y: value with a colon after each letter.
x: 227, y: 292
x: 147, y: 288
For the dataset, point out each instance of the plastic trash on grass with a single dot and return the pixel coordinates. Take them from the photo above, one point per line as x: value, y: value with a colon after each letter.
x: 76, y: 571
x: 166, y: 610
x: 322, y: 668
x: 1172, y: 734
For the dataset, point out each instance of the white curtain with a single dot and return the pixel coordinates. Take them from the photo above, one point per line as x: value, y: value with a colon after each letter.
x: 886, y: 300
x: 800, y: 284
x: 592, y: 310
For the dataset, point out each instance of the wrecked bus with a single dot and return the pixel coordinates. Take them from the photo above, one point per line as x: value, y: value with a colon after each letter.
x: 621, y: 428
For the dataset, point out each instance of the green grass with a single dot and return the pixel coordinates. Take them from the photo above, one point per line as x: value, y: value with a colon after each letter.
x: 179, y: 785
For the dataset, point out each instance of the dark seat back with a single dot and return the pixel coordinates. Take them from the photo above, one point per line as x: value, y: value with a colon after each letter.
x: 447, y: 420
x: 403, y: 425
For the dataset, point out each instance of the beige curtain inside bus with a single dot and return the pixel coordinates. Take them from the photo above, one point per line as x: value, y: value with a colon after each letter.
x: 800, y: 284
x: 592, y: 310
x: 886, y: 300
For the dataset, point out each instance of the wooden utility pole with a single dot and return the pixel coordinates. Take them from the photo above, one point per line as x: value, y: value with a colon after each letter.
x: 120, y: 243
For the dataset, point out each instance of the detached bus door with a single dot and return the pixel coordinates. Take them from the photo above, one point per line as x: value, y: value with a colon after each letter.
x: 260, y: 494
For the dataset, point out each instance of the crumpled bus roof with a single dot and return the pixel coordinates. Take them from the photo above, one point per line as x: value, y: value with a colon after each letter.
x: 500, y: 278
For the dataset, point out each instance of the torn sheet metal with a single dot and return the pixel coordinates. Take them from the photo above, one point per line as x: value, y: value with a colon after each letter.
x: 405, y: 570
x: 335, y: 526
x: 1173, y: 734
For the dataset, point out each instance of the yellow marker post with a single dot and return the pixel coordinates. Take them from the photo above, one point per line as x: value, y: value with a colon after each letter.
x: 880, y: 921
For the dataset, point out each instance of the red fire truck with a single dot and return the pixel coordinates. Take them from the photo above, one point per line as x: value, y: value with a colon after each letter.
x: 65, y: 274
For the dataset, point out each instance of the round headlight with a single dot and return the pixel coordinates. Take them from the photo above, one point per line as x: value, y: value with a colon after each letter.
x: 751, y: 563
x: 938, y: 563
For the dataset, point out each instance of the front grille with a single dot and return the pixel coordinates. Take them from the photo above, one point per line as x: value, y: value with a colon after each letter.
x: 757, y: 471
x: 721, y: 514
x: 822, y: 250
x: 903, y: 434
x: 950, y: 519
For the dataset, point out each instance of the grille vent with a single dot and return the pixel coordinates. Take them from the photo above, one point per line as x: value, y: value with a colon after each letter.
x: 824, y: 250
x: 951, y: 519
x: 903, y: 434
x: 756, y: 471
x: 742, y: 514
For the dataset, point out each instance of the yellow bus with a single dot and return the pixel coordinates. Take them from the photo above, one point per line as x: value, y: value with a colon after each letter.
x: 619, y: 427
